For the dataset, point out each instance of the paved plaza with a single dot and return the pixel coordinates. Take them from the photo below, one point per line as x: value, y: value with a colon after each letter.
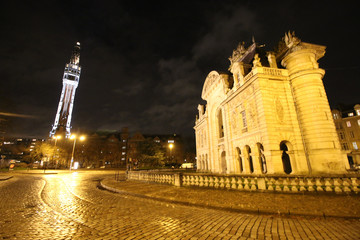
x: 72, y: 206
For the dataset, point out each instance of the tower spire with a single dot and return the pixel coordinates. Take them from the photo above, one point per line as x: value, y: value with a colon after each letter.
x: 71, y: 79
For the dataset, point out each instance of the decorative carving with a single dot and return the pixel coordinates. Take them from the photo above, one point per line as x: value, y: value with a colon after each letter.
x: 256, y: 62
x: 209, y: 81
x: 237, y: 53
x: 253, y: 121
x: 291, y: 40
x: 234, y: 119
x: 201, y: 109
x: 272, y: 59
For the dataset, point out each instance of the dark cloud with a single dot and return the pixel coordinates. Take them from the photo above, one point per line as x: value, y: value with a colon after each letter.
x: 229, y: 28
x: 144, y: 65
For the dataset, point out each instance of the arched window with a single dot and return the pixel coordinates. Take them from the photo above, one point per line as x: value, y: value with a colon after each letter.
x: 249, y: 158
x: 285, y: 157
x: 262, y: 159
x: 239, y: 159
x: 220, y: 124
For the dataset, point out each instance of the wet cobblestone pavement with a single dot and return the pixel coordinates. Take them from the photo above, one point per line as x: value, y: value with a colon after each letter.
x: 70, y: 206
x: 303, y: 204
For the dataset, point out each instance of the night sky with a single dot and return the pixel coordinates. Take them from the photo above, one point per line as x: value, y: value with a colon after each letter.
x: 144, y: 64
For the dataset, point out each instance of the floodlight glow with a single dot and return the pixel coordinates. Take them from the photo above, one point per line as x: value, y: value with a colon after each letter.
x: 76, y: 165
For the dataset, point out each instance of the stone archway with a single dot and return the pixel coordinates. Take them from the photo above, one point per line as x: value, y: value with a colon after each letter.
x: 285, y: 157
x: 249, y: 158
x: 262, y: 159
x: 220, y: 123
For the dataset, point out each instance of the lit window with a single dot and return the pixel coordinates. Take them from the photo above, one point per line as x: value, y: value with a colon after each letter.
x: 123, y: 147
x: 355, y: 145
x: 123, y: 159
x: 359, y: 122
x: 358, y: 112
x: 348, y: 123
x: 171, y: 141
x: 335, y: 116
x: 342, y: 135
x: 123, y: 153
x: 350, y: 114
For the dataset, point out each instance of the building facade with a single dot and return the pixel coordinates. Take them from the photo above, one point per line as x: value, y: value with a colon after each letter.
x: 71, y: 77
x: 270, y: 115
x: 347, y: 125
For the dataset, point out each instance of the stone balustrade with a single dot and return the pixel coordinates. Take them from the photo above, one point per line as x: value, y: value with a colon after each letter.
x: 152, y: 177
x: 291, y: 184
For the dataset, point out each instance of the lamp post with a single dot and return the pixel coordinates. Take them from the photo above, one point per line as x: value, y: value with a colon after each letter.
x: 171, y: 147
x: 73, y: 150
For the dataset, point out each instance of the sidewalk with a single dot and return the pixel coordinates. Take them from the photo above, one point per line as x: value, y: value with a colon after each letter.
x: 325, y: 204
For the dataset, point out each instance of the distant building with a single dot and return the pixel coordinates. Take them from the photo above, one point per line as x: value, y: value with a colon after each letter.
x: 172, y: 144
x: 71, y: 77
x: 347, y: 125
x: 18, y: 148
x: 120, y: 149
x: 101, y: 150
x: 270, y: 115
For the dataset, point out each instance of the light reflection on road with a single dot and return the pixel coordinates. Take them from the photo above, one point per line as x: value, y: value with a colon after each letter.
x: 61, y: 198
x: 31, y: 209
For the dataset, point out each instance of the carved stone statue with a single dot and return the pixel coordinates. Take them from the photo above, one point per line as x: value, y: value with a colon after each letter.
x: 291, y: 40
x: 257, y: 62
x: 201, y: 109
x: 238, y: 52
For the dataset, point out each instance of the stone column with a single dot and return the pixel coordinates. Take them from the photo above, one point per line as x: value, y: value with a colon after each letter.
x: 314, y: 115
x: 256, y: 160
x: 245, y: 159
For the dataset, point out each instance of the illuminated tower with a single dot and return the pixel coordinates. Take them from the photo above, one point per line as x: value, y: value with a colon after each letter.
x: 70, y: 82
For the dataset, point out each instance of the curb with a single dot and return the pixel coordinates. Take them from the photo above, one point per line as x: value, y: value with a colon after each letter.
x: 7, y: 178
x: 228, y: 209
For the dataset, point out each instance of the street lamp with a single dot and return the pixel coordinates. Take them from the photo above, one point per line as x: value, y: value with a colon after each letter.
x: 74, y: 137
x: 56, y: 138
x: 171, y: 147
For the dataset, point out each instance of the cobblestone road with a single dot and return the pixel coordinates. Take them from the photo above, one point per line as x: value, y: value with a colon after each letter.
x: 70, y: 206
